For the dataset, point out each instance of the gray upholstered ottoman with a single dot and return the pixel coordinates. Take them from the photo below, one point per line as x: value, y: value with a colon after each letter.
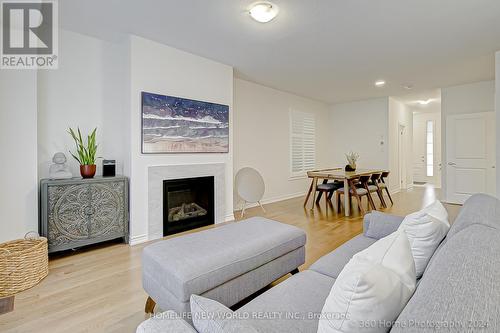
x: 226, y: 263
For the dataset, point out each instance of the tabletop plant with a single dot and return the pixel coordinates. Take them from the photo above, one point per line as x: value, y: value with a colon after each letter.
x: 85, y: 152
x: 352, y: 158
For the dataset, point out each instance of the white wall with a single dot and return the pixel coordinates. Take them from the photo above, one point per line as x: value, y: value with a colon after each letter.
x: 463, y: 99
x: 87, y: 91
x: 262, y: 135
x: 497, y: 109
x: 18, y: 142
x: 468, y: 98
x: 164, y: 70
x: 400, y: 114
x: 361, y: 127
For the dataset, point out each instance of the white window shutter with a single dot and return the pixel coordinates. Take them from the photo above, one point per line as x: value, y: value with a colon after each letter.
x: 302, y: 143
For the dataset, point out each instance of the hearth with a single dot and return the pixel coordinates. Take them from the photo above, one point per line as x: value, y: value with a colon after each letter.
x: 188, y: 203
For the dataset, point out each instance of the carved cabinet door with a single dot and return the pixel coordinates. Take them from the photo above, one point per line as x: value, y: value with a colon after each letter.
x: 107, y: 209
x: 69, y: 207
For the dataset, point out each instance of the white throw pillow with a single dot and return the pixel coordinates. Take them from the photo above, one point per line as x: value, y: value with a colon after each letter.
x: 372, y: 289
x: 210, y: 316
x: 425, y: 230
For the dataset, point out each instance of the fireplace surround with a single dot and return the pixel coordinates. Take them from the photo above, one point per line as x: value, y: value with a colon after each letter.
x: 154, y: 200
x: 188, y: 203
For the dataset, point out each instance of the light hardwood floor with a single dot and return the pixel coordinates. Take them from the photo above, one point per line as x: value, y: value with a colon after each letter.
x: 99, y: 289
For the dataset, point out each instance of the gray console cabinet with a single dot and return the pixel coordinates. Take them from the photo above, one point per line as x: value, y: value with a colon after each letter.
x: 77, y: 212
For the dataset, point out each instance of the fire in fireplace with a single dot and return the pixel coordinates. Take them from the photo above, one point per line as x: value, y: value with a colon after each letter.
x: 188, y: 203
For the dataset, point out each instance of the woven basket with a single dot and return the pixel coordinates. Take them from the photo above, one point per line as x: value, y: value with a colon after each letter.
x: 23, y: 263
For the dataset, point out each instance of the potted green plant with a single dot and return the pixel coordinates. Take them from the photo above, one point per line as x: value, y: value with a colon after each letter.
x: 85, y: 152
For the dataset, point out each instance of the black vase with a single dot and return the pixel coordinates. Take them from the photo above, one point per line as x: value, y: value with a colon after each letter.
x: 348, y: 167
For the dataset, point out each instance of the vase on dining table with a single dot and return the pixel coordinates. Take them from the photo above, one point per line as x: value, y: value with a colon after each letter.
x: 350, y: 167
x: 352, y: 157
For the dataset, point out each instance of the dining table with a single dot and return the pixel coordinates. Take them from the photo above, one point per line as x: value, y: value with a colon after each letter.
x: 338, y: 174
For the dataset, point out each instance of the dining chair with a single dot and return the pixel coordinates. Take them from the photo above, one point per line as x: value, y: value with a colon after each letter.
x: 364, y: 181
x: 357, y: 192
x: 327, y: 189
x: 383, y: 185
x: 373, y: 187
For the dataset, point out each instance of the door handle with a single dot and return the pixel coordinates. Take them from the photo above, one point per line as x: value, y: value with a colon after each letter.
x: 452, y: 163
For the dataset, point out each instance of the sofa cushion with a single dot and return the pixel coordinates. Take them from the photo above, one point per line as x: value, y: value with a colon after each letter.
x: 379, y: 225
x: 425, y: 229
x: 210, y: 316
x: 373, y: 287
x: 480, y: 209
x: 460, y: 287
x: 166, y: 322
x: 293, y: 306
x: 332, y: 263
x: 195, y: 263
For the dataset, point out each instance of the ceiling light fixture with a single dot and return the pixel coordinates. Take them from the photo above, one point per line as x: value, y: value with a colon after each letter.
x: 264, y: 11
x: 380, y: 83
x: 424, y: 102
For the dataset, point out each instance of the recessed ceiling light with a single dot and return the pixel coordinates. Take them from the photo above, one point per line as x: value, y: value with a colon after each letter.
x: 424, y: 102
x: 380, y: 83
x: 264, y: 11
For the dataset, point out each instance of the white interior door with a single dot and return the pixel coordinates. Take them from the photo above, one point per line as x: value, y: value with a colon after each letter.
x: 470, y: 156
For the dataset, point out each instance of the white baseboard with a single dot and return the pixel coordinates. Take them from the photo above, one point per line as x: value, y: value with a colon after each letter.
x: 273, y: 199
x: 134, y: 240
x: 394, y: 191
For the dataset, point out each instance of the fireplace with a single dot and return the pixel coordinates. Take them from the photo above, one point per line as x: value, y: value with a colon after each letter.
x: 188, y: 203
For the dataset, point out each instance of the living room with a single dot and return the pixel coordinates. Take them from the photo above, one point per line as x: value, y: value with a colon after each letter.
x: 260, y: 116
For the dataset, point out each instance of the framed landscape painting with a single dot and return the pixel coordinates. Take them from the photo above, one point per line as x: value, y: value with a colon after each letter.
x: 179, y: 125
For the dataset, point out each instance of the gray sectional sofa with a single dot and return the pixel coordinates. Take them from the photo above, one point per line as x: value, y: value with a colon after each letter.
x: 459, y: 291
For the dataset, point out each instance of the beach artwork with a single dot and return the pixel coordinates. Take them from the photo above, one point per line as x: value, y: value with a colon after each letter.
x: 180, y: 125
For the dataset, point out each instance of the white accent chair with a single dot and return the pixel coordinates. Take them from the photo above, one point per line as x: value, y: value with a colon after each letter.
x: 250, y: 187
